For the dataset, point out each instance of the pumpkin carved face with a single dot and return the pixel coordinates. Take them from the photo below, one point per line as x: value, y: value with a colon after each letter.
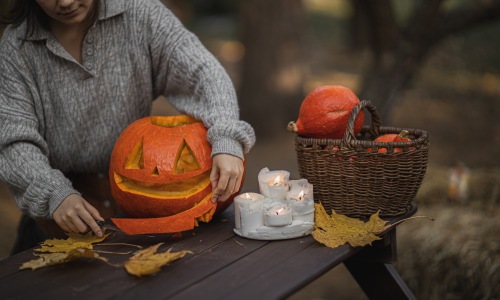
x: 160, y: 166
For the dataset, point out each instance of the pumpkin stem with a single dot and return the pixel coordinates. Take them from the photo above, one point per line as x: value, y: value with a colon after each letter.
x: 292, y: 127
x: 403, y: 134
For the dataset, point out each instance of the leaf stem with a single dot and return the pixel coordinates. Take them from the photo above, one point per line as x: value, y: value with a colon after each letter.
x: 118, y: 244
x: 401, y: 221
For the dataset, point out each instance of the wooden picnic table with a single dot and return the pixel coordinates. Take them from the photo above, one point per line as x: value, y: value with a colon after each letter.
x: 223, y: 265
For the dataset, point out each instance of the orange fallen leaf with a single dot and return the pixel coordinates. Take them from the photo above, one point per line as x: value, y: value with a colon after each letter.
x: 149, y: 262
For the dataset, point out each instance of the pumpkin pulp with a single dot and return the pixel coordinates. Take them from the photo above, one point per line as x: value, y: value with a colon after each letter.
x: 168, y: 190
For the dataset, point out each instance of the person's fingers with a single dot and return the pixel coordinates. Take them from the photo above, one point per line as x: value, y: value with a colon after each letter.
x: 228, y: 190
x: 214, y: 176
x: 75, y: 214
x: 238, y: 184
x: 91, y: 223
x: 221, y: 187
x: 89, y: 214
x: 93, y: 212
x: 80, y: 225
x: 62, y: 224
x: 68, y: 222
x: 214, y: 180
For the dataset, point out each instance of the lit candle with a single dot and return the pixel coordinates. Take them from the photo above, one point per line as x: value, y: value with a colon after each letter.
x: 277, y: 215
x: 249, y: 203
x: 299, y: 190
x: 300, y: 197
x: 273, y: 184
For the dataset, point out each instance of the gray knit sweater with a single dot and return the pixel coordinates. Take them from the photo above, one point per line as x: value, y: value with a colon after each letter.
x: 59, y: 116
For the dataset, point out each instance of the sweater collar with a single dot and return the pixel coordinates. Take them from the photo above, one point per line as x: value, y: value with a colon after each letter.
x: 108, y: 9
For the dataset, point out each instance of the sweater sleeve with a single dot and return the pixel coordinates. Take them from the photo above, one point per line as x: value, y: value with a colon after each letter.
x: 24, y: 165
x: 195, y: 83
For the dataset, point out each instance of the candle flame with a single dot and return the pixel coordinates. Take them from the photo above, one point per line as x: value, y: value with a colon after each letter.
x: 279, y: 211
x: 247, y: 196
x: 301, y: 195
x: 277, y: 180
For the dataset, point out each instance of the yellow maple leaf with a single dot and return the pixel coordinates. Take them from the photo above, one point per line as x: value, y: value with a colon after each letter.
x: 148, y: 262
x: 336, y: 230
x: 74, y: 241
x: 54, y: 258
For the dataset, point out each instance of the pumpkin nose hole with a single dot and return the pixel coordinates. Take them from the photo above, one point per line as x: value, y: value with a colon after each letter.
x: 155, y: 172
x: 185, y: 161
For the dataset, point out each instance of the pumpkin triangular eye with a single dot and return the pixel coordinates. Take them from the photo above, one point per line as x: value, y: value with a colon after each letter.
x: 185, y: 161
x: 135, y: 160
x: 155, y: 172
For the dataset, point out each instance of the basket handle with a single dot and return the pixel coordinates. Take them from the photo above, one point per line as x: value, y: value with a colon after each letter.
x: 349, y: 138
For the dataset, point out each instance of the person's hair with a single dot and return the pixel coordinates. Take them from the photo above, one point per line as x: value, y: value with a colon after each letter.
x: 20, y: 10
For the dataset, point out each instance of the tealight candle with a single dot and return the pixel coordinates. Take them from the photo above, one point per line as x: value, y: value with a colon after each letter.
x: 249, y: 202
x: 273, y: 184
x: 301, y: 199
x: 277, y: 215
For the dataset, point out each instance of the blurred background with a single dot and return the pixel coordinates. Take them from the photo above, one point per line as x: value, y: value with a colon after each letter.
x: 426, y: 64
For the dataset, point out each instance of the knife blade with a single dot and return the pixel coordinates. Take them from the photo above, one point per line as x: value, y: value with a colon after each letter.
x: 108, y: 225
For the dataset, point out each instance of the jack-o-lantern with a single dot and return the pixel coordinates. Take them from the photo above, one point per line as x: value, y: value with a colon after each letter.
x: 160, y: 172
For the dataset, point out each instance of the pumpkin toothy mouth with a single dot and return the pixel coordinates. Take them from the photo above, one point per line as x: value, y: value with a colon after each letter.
x: 171, y: 190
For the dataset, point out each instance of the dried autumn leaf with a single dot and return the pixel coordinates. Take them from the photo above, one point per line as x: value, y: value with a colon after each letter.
x: 50, y: 259
x: 57, y: 251
x: 148, y: 262
x: 74, y: 241
x: 336, y: 230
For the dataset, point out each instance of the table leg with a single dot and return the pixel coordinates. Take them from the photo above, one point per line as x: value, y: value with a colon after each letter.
x: 373, y: 270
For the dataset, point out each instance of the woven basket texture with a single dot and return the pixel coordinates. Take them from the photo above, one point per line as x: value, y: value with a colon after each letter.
x: 352, y: 178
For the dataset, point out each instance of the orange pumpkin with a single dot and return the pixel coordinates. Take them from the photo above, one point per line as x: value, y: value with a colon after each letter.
x: 325, y: 111
x: 160, y: 169
x: 402, y: 137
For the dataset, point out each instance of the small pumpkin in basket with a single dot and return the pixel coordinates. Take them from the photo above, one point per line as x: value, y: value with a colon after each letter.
x: 160, y: 168
x: 402, y: 137
x: 325, y: 111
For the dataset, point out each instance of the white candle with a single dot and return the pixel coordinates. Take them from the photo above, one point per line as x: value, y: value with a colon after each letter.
x: 299, y: 190
x: 277, y: 215
x: 273, y: 184
x: 300, y: 197
x: 251, y: 220
x: 250, y: 201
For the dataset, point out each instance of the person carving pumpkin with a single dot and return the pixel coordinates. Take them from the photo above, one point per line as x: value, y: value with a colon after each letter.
x: 75, y: 73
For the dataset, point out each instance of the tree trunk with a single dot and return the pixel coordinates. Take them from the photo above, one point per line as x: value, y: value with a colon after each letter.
x: 398, y: 52
x: 273, y: 67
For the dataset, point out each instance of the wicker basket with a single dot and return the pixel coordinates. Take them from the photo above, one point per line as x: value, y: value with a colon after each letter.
x: 356, y: 181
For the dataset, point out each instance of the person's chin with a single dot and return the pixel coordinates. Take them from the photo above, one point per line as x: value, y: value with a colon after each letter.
x: 73, y: 18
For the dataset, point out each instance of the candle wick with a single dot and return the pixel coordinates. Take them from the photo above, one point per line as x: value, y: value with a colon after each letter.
x: 277, y: 213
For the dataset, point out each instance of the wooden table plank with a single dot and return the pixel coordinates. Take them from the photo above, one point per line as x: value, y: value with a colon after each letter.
x: 96, y: 279
x: 247, y: 269
x: 222, y: 266
x: 294, y: 273
x: 193, y: 269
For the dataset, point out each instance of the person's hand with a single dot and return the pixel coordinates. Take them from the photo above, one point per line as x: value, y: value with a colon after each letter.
x: 226, y: 176
x: 77, y: 215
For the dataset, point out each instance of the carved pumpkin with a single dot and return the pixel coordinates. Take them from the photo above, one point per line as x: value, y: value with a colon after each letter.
x: 325, y: 111
x: 160, y: 172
